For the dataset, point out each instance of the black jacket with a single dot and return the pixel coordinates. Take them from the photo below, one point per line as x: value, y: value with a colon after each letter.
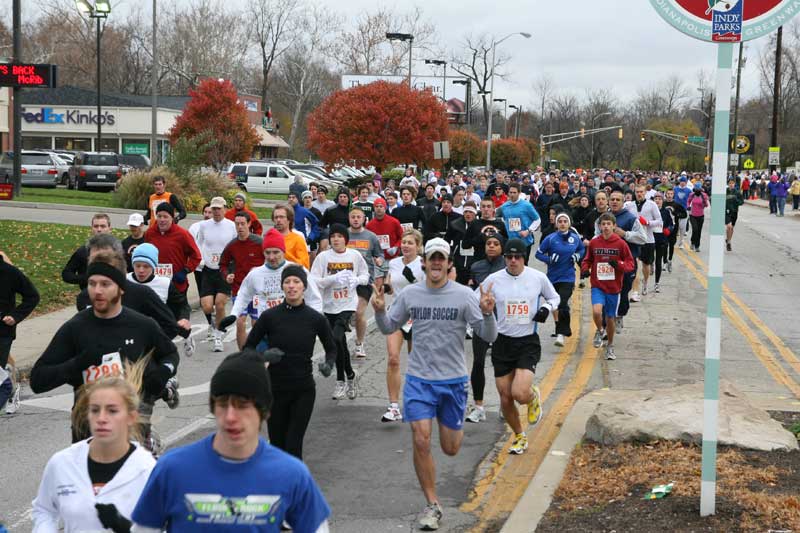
x: 74, y: 272
x: 475, y: 236
x: 449, y: 227
x: 481, y: 269
x: 337, y: 214
x: 12, y: 283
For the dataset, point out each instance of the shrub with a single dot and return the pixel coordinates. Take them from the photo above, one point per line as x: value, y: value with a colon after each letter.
x: 393, y: 174
x: 194, y: 189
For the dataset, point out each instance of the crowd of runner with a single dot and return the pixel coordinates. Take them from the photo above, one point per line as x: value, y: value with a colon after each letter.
x: 441, y: 260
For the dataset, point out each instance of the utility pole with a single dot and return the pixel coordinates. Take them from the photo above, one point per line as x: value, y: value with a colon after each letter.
x: 736, y: 107
x: 154, y: 159
x: 776, y: 92
x: 16, y: 94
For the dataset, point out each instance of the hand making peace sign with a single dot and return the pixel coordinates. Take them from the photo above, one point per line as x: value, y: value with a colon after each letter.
x: 487, y: 299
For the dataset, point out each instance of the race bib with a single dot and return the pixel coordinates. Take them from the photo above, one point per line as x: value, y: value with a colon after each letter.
x: 407, y: 225
x: 111, y: 365
x: 384, y: 240
x: 164, y: 269
x: 341, y: 293
x: 215, y: 259
x: 274, y: 300
x: 514, y: 224
x: 605, y: 272
x: 518, y: 311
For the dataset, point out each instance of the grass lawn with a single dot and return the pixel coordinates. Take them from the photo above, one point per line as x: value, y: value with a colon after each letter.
x: 264, y: 213
x: 64, y: 196
x: 41, y: 251
x: 267, y: 196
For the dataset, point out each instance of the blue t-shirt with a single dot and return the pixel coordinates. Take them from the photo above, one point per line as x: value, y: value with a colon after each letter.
x: 193, y: 488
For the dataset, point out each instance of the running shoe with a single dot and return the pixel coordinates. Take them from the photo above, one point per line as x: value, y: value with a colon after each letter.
x: 171, y: 395
x: 338, y: 391
x: 657, y: 288
x: 534, y: 407
x: 12, y: 405
x: 430, y: 517
x: 669, y: 266
x: 619, y: 322
x: 728, y: 245
x: 476, y: 414
x: 559, y: 340
x: 188, y: 346
x: 519, y: 445
x: 218, y: 347
x: 469, y: 331
x: 598, y: 339
x: 351, y: 387
x: 610, y: 355
x: 152, y: 443
x: 210, y: 333
x: 680, y: 245
x: 359, y: 351
x: 392, y: 414
x: 644, y: 290
x: 635, y: 296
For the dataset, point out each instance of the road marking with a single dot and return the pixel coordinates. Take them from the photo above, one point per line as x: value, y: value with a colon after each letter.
x: 186, y: 430
x: 514, y: 481
x: 776, y: 341
x: 497, y: 474
x: 761, y: 352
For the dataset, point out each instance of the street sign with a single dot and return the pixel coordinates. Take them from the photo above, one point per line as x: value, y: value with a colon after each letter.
x: 774, y: 155
x: 711, y: 20
x: 136, y: 148
x: 734, y: 161
x: 441, y: 150
x: 28, y: 75
x: 696, y: 139
x: 748, y: 164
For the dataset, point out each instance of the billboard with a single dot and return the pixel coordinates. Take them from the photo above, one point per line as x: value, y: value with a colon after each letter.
x: 455, y: 94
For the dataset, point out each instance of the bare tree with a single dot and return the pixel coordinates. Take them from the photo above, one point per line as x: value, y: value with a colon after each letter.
x: 544, y: 88
x: 275, y: 25
x: 474, y: 62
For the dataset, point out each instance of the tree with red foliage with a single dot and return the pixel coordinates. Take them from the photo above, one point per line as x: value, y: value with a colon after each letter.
x: 462, y: 141
x: 510, y: 154
x: 215, y: 107
x: 378, y: 124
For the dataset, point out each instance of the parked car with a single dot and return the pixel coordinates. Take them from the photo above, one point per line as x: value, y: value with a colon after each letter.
x: 130, y: 162
x: 94, y: 169
x: 39, y: 168
x: 314, y: 169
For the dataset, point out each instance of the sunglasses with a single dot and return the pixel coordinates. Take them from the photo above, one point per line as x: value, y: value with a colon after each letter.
x: 514, y: 256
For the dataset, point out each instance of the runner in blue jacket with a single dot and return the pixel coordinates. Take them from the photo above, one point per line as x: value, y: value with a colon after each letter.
x: 561, y: 251
x: 520, y: 217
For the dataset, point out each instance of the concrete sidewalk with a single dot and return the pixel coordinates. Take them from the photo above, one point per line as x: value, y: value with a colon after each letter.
x: 758, y: 202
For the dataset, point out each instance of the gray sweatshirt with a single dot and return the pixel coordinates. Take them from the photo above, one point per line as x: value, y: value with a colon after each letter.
x: 440, y: 318
x: 368, y: 245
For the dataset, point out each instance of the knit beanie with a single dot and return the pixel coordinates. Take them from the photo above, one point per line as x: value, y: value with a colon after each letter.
x: 294, y: 271
x: 243, y: 374
x: 273, y: 239
x: 241, y: 195
x: 145, y: 253
x: 341, y: 229
x: 166, y: 206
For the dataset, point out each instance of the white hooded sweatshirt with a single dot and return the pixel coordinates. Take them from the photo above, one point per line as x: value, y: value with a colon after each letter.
x: 66, y: 494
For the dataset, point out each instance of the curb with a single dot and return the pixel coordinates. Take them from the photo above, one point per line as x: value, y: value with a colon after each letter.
x: 790, y: 213
x: 86, y: 208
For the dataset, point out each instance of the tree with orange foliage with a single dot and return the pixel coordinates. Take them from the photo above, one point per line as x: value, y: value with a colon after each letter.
x: 215, y: 108
x: 378, y: 124
x: 463, y: 141
x: 510, y: 154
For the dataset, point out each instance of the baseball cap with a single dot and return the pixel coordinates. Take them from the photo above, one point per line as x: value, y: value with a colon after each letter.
x: 515, y: 247
x: 437, y: 245
x: 218, y: 201
x: 135, y: 219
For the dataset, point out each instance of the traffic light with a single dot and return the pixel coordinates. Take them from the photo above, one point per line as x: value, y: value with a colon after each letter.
x: 619, y: 134
x: 643, y: 136
x: 583, y: 132
x: 685, y: 139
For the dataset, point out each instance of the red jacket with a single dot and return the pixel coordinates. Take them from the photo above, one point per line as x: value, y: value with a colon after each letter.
x: 499, y: 200
x: 239, y: 257
x: 600, y: 252
x: 255, y: 224
x: 177, y: 252
x: 389, y: 232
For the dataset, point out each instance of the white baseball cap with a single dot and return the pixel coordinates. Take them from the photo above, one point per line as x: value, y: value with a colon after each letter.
x: 218, y: 201
x: 437, y: 245
x: 135, y: 219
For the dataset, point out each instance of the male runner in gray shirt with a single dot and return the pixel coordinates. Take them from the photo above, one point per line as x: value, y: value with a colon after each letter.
x: 437, y: 378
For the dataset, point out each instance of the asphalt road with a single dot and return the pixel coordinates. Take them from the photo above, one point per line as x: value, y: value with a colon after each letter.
x: 364, y: 467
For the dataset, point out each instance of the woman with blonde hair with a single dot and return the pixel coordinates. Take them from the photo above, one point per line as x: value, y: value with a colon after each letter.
x: 403, y: 271
x: 94, y: 484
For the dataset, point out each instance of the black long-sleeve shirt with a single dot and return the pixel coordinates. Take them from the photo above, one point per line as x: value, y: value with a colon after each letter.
x: 12, y: 283
x: 74, y: 272
x: 410, y: 214
x: 338, y: 214
x: 144, y: 300
x: 294, y: 330
x: 131, y: 334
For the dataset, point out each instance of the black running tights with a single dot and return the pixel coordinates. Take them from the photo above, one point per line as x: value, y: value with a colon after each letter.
x: 288, y: 419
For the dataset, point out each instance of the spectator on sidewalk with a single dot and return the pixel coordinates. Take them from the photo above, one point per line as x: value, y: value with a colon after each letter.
x: 794, y: 189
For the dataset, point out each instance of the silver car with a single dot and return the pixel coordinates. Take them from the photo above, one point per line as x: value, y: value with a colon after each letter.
x: 39, y: 168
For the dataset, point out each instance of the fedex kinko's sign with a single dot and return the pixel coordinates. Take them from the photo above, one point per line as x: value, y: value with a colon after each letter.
x: 727, y: 20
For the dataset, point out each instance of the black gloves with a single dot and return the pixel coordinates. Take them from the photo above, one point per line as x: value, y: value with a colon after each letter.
x: 409, y: 275
x: 111, y: 519
x: 272, y: 355
x: 585, y: 274
x: 541, y: 315
x: 226, y: 322
x: 325, y: 368
x: 155, y: 379
x: 614, y: 263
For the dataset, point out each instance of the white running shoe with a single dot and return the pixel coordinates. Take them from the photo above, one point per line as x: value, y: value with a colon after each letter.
x: 610, y: 355
x: 189, y: 346
x: 559, y: 340
x: 476, y: 414
x: 210, y: 333
x: 338, y: 391
x: 657, y: 288
x: 392, y: 414
x: 644, y: 290
x: 171, y: 396
x: 620, y: 323
x: 429, y: 519
x: 12, y: 405
x: 351, y: 387
x: 598, y: 339
x: 218, y: 347
x: 360, y: 352
x: 634, y: 297
x: 669, y: 266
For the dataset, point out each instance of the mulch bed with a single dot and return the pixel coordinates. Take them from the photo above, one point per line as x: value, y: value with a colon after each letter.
x: 603, y: 489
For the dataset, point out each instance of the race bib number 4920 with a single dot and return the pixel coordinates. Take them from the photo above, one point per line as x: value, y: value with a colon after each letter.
x: 110, y: 366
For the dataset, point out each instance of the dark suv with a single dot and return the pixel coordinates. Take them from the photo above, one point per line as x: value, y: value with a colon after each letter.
x: 94, y: 169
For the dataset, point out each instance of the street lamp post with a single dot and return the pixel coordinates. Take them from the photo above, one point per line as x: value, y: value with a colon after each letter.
x: 467, y: 117
x: 404, y: 37
x: 505, y: 114
x: 443, y: 64
x: 518, y: 109
x: 491, y: 91
x: 591, y: 162
x: 99, y: 10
